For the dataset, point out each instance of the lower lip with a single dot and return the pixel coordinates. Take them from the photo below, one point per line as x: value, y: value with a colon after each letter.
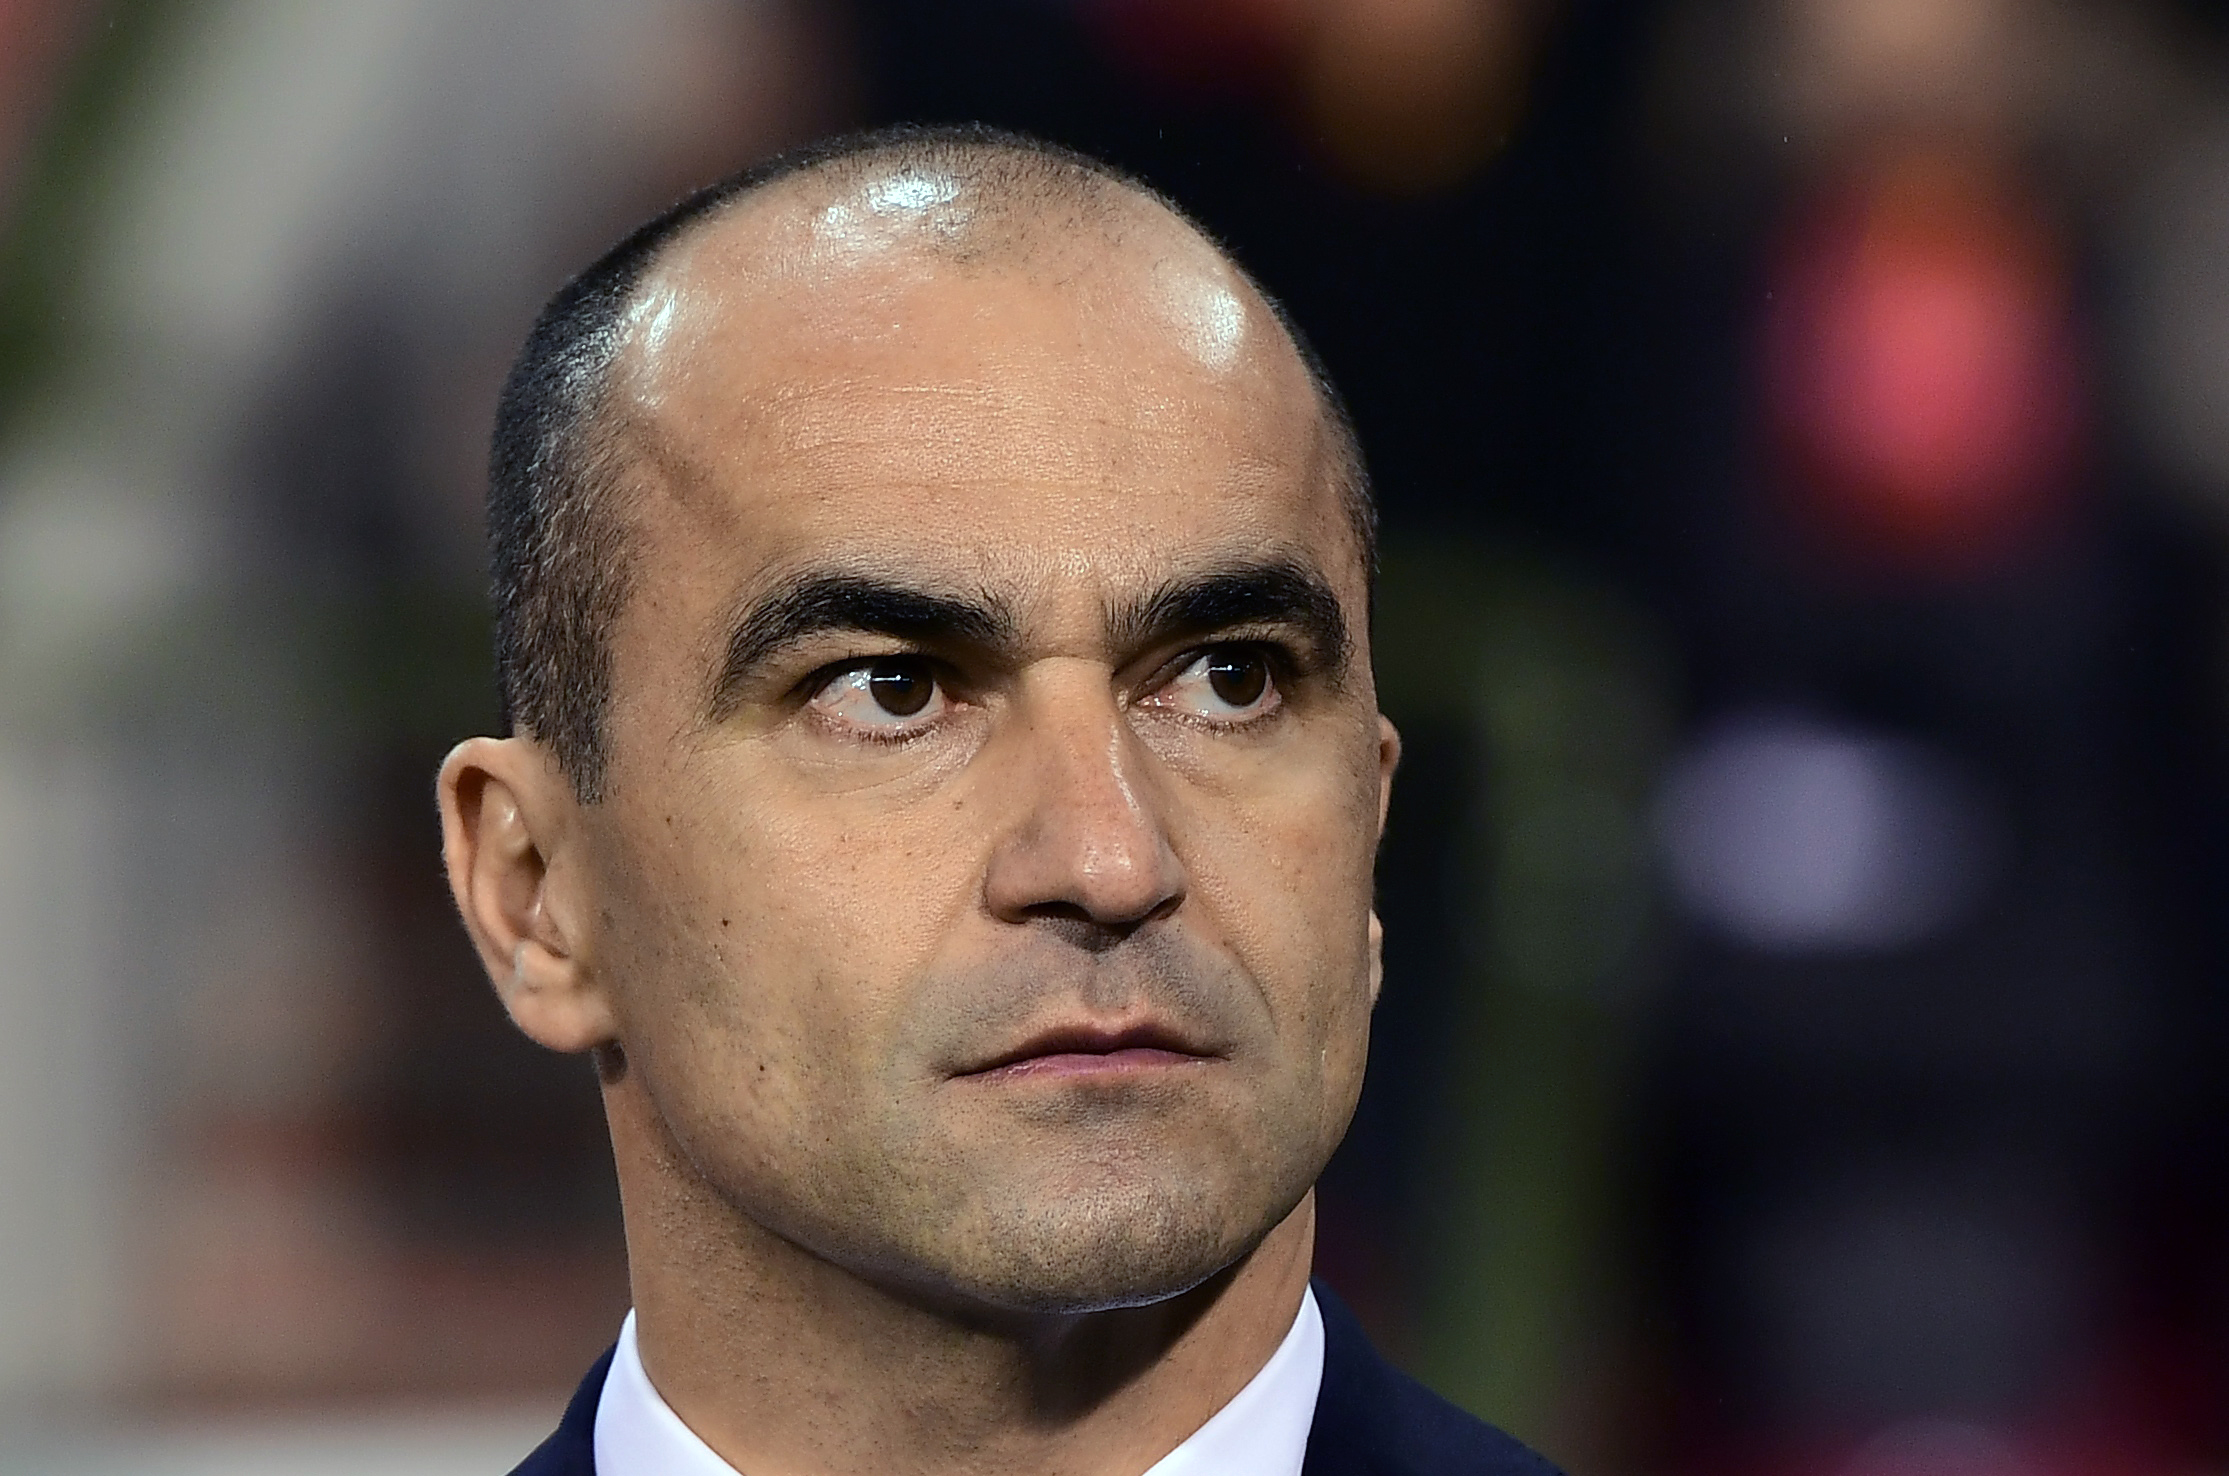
x: 1128, y: 1061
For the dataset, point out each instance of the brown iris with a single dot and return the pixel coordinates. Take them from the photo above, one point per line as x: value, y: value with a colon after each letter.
x: 901, y: 688
x: 1237, y: 677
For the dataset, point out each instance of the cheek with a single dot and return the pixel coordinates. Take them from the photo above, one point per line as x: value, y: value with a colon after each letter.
x: 860, y: 887
x: 1281, y: 861
x: 764, y: 938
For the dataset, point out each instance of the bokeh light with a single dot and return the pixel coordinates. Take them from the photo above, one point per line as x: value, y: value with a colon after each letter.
x: 1796, y: 836
x: 1920, y: 364
x: 1411, y: 95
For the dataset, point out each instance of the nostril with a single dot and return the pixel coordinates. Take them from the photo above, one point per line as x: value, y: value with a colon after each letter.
x: 1059, y: 912
x: 1079, y: 929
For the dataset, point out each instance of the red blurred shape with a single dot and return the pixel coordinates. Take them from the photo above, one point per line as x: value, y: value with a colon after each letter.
x: 37, y: 38
x: 1922, y: 371
x: 1202, y: 46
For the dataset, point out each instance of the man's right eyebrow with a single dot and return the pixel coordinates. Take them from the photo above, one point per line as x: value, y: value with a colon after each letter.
x: 821, y: 604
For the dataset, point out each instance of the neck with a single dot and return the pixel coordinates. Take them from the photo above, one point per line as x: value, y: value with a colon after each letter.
x: 788, y: 1365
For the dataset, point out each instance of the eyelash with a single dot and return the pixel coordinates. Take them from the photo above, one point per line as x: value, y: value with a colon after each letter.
x: 820, y: 678
x: 1285, y: 667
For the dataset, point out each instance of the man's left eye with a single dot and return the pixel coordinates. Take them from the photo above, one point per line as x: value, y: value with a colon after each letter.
x: 1230, y: 683
x: 895, y: 694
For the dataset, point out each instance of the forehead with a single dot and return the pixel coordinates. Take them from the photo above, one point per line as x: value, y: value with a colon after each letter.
x: 879, y: 373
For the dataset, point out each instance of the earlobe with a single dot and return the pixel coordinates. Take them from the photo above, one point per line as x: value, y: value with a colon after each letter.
x: 507, y: 821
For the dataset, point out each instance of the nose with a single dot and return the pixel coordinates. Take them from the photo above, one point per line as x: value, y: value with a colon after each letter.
x: 1086, y: 842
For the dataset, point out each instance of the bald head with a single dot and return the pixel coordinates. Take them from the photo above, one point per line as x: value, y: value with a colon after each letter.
x: 767, y: 274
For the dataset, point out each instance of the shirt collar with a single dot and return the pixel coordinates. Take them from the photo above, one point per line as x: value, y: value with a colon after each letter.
x: 1263, y: 1431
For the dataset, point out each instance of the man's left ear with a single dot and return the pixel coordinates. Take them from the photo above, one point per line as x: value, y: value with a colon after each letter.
x: 1377, y: 957
x: 1389, y: 759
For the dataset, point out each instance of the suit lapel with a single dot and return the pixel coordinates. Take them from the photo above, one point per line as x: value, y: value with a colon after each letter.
x: 571, y: 1451
x: 1342, y: 1440
x: 1374, y: 1420
x: 1371, y: 1420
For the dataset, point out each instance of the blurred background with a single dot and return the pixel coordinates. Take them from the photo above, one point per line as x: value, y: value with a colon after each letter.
x: 1802, y: 428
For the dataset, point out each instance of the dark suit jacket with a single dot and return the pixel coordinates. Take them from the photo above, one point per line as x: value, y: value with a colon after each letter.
x: 1371, y: 1420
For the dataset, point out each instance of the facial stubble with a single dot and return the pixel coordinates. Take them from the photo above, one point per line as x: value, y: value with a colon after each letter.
x: 1038, y: 1197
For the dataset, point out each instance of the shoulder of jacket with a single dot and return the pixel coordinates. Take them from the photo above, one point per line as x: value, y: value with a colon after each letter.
x: 1374, y: 1420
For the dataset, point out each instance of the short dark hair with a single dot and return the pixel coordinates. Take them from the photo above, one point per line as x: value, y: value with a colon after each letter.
x: 558, y: 543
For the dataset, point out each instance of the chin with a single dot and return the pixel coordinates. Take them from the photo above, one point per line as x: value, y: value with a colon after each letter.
x: 1095, y: 1249
x: 1026, y: 1223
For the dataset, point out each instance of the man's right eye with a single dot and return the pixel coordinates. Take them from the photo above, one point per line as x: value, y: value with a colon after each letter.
x: 892, y: 695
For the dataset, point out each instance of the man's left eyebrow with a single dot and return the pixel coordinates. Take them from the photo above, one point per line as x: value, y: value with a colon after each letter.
x: 1273, y: 592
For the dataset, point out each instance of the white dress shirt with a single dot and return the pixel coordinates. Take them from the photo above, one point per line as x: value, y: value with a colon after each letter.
x: 1263, y: 1431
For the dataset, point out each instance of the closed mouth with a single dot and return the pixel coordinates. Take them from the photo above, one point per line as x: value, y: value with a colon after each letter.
x: 1086, y: 1050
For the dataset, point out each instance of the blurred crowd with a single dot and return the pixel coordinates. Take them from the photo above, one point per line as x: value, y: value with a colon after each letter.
x: 1802, y: 434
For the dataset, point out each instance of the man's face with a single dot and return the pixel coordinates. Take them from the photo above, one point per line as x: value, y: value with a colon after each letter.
x: 982, y: 886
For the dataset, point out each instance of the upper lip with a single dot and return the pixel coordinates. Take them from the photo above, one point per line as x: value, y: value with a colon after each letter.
x: 1091, y: 1039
